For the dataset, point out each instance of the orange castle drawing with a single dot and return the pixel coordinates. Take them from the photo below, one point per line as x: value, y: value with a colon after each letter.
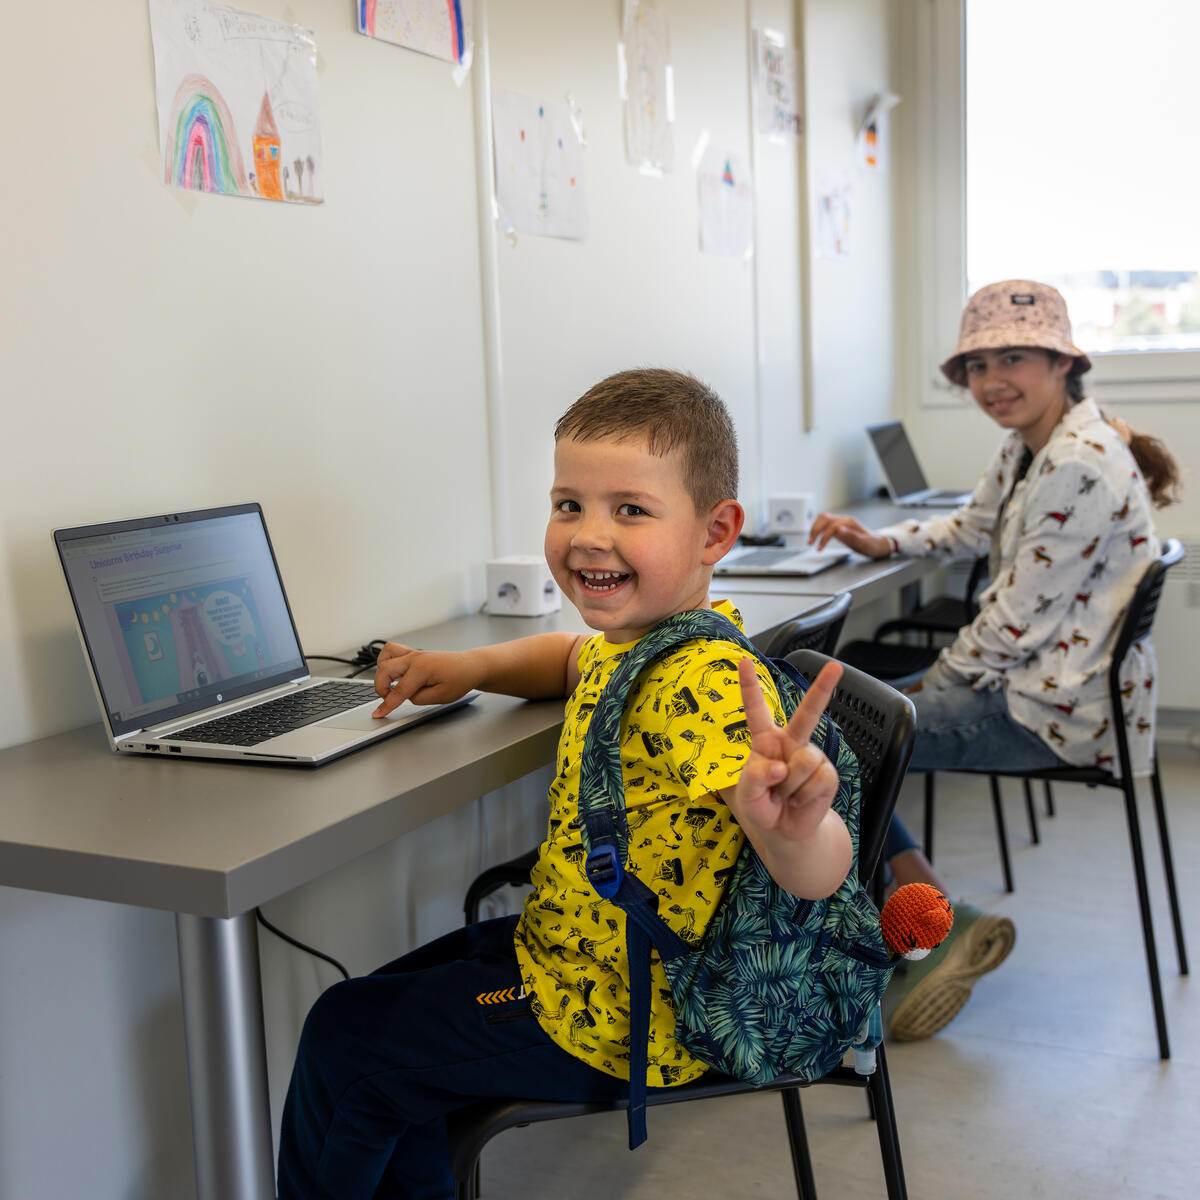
x: 266, y: 153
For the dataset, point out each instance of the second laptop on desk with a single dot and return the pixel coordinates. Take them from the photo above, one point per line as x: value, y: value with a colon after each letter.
x: 906, y: 482
x: 779, y: 561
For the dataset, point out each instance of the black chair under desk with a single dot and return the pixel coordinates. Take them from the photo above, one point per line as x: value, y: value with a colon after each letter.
x: 878, y: 723
x: 1135, y: 625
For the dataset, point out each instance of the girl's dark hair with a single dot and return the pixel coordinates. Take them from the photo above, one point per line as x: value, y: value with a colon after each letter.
x: 1158, y: 467
x: 1156, y: 463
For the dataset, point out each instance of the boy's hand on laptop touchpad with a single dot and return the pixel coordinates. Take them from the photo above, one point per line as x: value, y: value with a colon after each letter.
x: 424, y: 677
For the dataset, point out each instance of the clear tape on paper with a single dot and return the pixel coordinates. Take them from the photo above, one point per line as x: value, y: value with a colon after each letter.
x: 462, y: 69
x: 575, y: 113
x: 503, y: 223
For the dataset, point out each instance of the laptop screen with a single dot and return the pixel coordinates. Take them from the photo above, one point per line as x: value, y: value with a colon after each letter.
x: 896, y: 457
x: 179, y: 612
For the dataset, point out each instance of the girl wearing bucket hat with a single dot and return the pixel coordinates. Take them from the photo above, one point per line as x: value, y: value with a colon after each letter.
x: 1063, y: 513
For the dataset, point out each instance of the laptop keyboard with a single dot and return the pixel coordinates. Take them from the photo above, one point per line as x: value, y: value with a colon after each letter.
x: 769, y: 556
x: 268, y: 720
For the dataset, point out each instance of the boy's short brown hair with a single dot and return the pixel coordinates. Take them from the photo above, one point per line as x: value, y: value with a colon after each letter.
x: 670, y: 409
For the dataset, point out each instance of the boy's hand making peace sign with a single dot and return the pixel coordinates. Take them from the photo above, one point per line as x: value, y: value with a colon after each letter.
x: 782, y: 799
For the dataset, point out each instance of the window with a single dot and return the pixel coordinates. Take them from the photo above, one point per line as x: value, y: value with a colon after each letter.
x: 1082, y: 165
x: 1061, y: 146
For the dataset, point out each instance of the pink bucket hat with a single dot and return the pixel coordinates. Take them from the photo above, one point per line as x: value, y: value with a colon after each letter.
x: 1016, y: 312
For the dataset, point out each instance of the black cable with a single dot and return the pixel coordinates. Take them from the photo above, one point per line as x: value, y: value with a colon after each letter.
x: 287, y: 937
x: 365, y: 657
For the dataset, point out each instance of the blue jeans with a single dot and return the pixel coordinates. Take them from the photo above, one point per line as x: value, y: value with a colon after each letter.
x: 962, y: 729
x: 383, y: 1058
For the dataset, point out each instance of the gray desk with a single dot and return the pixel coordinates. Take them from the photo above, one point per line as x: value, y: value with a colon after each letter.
x: 211, y: 840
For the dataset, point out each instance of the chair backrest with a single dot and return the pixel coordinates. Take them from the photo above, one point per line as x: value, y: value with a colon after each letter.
x: 880, y: 724
x: 818, y: 629
x: 1135, y: 625
x: 976, y: 579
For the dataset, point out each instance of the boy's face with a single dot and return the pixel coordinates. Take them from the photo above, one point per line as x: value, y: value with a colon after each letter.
x: 625, y: 543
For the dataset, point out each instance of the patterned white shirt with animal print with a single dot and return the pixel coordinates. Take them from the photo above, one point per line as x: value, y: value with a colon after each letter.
x: 1074, y: 540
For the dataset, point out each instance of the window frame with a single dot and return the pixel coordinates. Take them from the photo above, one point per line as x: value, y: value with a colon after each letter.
x: 939, y: 204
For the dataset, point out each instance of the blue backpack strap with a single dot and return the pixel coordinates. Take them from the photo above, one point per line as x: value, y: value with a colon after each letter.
x: 605, y: 832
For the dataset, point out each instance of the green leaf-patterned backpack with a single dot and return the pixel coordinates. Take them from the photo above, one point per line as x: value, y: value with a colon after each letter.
x: 776, y: 985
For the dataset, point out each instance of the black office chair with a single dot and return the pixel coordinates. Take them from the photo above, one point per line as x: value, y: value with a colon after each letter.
x: 1135, y: 625
x: 879, y: 725
x: 901, y: 665
x: 945, y: 614
x: 818, y: 629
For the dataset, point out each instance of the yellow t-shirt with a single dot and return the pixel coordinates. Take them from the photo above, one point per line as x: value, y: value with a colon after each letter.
x: 683, y: 737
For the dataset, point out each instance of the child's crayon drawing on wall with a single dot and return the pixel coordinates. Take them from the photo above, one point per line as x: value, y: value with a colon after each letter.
x: 726, y: 203
x: 237, y: 102
x: 539, y: 167
x: 441, y: 28
x: 646, y: 87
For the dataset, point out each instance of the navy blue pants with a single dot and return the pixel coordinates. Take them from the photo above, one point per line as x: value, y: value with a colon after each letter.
x: 383, y: 1058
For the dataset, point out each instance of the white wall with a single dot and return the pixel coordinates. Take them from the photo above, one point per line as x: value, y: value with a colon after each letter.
x: 848, y: 60
x: 164, y: 351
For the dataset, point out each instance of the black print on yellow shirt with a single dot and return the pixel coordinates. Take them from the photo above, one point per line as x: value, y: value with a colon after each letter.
x: 683, y: 703
x: 725, y: 665
x: 687, y: 769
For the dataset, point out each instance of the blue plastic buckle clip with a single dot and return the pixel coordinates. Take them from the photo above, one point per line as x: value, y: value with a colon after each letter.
x: 604, y: 872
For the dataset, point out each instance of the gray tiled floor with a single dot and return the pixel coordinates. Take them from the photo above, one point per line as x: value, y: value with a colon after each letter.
x: 1047, y: 1085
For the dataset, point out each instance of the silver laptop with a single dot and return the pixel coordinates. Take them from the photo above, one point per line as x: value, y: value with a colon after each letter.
x: 779, y: 560
x: 193, y: 651
x: 906, y: 483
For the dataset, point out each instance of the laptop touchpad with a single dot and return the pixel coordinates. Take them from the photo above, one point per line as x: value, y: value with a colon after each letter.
x: 360, y: 718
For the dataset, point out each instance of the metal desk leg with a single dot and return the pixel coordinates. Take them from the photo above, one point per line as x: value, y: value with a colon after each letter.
x: 226, y: 1057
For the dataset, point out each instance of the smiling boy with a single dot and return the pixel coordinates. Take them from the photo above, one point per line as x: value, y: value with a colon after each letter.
x: 642, y: 507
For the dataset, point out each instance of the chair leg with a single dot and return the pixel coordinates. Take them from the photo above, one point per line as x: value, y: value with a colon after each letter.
x: 928, y: 839
x: 1034, y: 836
x: 468, y: 1189
x: 880, y: 1089
x: 1001, y: 833
x: 1164, y: 837
x: 806, y: 1187
x: 1139, y: 872
x: 1049, y: 798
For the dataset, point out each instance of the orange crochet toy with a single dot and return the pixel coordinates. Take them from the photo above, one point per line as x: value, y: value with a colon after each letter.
x: 916, y: 919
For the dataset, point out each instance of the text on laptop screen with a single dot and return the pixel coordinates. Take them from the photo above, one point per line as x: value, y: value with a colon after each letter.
x: 897, y: 458
x: 180, y: 614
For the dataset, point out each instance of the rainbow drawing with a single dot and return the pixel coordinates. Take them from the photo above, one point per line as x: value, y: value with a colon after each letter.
x: 202, y: 151
x: 416, y: 25
x: 456, y: 27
